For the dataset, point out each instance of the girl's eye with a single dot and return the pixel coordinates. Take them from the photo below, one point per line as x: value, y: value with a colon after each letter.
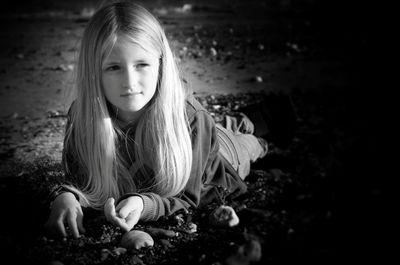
x: 112, y: 68
x: 142, y: 65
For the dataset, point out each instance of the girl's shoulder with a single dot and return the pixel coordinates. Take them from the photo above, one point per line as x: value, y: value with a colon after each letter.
x: 193, y: 107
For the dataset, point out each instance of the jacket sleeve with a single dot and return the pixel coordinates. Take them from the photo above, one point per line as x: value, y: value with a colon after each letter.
x: 207, y: 174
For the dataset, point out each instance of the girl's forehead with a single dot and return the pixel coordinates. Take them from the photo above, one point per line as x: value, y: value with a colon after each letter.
x: 125, y: 47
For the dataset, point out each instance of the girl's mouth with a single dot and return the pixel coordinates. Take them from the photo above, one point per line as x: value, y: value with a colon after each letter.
x: 131, y: 94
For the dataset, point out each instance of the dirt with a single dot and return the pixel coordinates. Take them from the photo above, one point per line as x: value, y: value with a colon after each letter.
x: 308, y: 202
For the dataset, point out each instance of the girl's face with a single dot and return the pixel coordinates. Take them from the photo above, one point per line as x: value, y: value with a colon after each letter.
x: 129, y: 78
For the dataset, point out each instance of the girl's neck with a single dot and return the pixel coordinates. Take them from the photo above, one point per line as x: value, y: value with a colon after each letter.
x: 125, y: 119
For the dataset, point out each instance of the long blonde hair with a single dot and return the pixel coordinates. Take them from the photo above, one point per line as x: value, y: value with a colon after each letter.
x: 162, y: 138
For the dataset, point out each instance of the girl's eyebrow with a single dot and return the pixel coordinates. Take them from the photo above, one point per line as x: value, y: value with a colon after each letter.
x: 117, y: 62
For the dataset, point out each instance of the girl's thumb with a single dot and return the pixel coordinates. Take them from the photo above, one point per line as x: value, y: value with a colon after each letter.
x: 109, y: 207
x: 123, y: 213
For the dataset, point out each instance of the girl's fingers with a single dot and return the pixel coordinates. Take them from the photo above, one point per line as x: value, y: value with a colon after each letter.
x: 79, y: 220
x: 60, y: 228
x: 109, y: 212
x: 125, y: 207
x: 109, y: 209
x: 120, y: 223
x: 125, y: 211
x: 124, y: 226
x: 120, y: 205
x: 73, y: 225
x: 132, y: 219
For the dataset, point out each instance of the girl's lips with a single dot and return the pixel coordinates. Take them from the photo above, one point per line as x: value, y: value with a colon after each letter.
x: 130, y: 94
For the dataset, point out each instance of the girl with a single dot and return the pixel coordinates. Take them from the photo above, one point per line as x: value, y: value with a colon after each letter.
x: 134, y: 133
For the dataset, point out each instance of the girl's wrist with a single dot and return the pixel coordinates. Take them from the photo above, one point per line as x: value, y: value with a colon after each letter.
x: 57, y: 192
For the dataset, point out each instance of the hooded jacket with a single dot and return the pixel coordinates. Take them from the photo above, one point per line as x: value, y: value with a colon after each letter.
x: 211, y: 177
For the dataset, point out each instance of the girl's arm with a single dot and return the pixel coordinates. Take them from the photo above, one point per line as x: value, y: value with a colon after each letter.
x: 207, y: 174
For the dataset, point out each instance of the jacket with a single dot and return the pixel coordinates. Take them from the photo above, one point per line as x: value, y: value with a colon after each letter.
x: 211, y: 177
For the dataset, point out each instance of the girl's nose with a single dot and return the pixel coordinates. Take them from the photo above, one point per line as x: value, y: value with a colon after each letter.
x: 130, y: 78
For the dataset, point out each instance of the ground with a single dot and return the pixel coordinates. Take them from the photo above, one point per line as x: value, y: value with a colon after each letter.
x: 306, y: 199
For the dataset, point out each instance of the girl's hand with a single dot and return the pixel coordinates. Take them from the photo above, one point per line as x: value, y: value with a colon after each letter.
x: 127, y: 213
x: 65, y: 209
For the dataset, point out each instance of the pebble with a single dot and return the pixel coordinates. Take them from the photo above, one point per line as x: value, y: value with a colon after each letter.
x: 213, y: 51
x: 192, y: 228
x: 187, y: 8
x: 136, y: 239
x: 119, y: 251
x: 179, y: 219
x: 161, y: 233
x: 224, y: 216
x: 65, y: 67
x: 166, y: 244
x: 104, y: 254
x: 251, y: 250
x: 258, y: 79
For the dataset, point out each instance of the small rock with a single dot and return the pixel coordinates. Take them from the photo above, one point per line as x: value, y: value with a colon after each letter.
x: 213, y: 52
x: 87, y: 12
x: 251, y: 250
x: 197, y: 54
x: 187, y: 7
x: 104, y: 254
x: 216, y: 107
x: 192, y: 228
x: 179, y: 219
x: 166, y: 244
x: 293, y: 46
x: 65, y: 67
x: 161, y: 233
x: 136, y: 239
x: 119, y: 251
x: 224, y: 216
